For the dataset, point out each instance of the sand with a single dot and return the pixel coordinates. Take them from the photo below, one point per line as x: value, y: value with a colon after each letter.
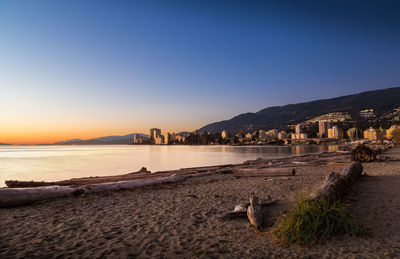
x: 182, y: 220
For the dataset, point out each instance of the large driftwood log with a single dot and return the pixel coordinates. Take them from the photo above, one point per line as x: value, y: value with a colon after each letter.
x: 264, y: 172
x: 26, y: 184
x: 10, y: 197
x: 254, y: 212
x: 336, y: 185
x: 142, y: 173
x: 363, y: 153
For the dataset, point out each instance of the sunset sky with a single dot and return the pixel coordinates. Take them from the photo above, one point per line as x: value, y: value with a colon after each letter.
x: 84, y: 69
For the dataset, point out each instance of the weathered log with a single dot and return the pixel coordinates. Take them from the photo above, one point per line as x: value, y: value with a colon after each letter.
x: 141, y: 174
x: 240, y: 211
x: 254, y: 212
x: 363, y: 153
x: 25, y: 184
x: 10, y: 197
x: 336, y: 185
x: 264, y: 172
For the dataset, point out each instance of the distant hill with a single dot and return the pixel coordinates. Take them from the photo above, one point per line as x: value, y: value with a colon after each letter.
x: 183, y: 133
x: 108, y: 140
x: 66, y: 142
x: 4, y: 144
x: 382, y: 101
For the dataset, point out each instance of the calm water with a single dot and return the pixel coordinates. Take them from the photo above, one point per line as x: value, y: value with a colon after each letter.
x: 64, y: 162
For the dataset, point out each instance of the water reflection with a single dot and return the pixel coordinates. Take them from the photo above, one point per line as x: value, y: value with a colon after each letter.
x: 63, y: 162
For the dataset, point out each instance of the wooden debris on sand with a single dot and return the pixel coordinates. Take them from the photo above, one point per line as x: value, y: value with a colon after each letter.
x: 363, y: 153
x: 254, y: 212
x: 264, y: 172
x: 30, y: 191
x: 142, y: 173
x: 336, y: 185
x: 10, y: 197
x: 240, y: 211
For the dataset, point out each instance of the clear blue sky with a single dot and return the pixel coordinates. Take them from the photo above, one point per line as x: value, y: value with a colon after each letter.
x: 93, y: 68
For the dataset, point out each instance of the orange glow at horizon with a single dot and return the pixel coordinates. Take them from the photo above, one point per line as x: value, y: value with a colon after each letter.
x: 35, y: 137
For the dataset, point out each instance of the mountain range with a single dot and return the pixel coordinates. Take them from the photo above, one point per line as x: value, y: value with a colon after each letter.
x: 126, y: 139
x: 383, y: 102
x: 109, y: 140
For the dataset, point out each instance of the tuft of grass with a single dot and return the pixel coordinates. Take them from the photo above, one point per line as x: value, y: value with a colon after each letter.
x: 314, y: 221
x: 200, y: 252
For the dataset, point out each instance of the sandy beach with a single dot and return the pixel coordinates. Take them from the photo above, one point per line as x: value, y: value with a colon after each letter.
x: 183, y: 219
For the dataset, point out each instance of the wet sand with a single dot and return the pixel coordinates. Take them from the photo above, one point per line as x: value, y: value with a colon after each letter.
x: 182, y: 220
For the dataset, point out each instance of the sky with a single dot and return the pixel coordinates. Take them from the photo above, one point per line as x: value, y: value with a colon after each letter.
x: 84, y: 69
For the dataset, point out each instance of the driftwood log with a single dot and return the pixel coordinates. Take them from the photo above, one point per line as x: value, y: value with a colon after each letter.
x: 254, y: 212
x: 141, y: 174
x: 10, y: 197
x: 264, y: 172
x: 336, y: 185
x: 240, y: 211
x: 363, y: 153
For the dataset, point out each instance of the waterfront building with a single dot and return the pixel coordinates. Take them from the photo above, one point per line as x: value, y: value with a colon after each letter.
x: 335, y: 133
x: 391, y: 130
x: 159, y: 140
x: 154, y: 133
x: 261, y: 135
x: 295, y: 136
x: 372, y: 134
x: 180, y: 138
x: 136, y: 138
x: 167, y: 138
x: 224, y: 134
x: 282, y: 135
x: 323, y: 127
x: 354, y: 133
x: 272, y: 134
x: 248, y: 136
x: 298, y: 129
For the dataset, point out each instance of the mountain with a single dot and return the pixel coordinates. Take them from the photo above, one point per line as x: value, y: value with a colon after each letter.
x: 183, y: 133
x: 4, y: 144
x: 383, y: 102
x: 108, y: 140
x: 70, y: 141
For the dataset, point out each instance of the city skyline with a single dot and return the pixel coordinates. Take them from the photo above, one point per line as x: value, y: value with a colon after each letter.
x: 97, y: 68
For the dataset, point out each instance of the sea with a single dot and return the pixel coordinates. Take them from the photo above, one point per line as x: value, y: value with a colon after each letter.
x: 52, y: 163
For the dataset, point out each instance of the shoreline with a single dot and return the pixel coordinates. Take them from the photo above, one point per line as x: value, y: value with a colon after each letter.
x: 182, y: 219
x: 63, y: 164
x: 19, y: 193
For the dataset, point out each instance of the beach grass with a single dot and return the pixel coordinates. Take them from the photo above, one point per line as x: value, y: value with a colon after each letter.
x: 313, y: 221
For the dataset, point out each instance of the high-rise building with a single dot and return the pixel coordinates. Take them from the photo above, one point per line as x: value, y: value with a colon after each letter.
x: 335, y: 133
x: 354, y: 133
x: 159, y: 140
x: 224, y: 134
x: 136, y: 139
x: 167, y: 138
x: 323, y: 127
x: 154, y: 133
x: 298, y: 129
